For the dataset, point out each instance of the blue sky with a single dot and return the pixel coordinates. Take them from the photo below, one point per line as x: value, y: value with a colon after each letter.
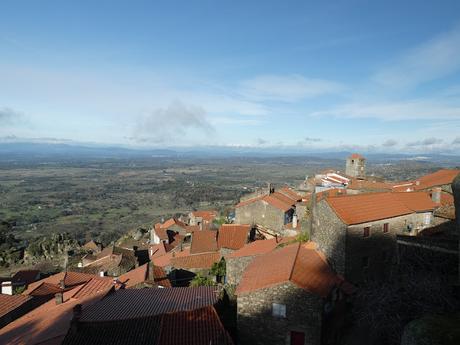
x: 361, y: 75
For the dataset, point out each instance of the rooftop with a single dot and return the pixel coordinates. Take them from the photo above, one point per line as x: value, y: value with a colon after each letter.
x: 362, y: 208
x: 299, y: 263
x: 196, y: 261
x: 9, y: 303
x: 233, y: 236
x: 203, y: 241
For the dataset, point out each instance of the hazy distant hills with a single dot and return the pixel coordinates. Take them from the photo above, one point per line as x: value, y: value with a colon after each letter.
x: 25, y: 151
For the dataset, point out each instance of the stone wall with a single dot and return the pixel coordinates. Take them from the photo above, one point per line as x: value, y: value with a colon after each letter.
x: 257, y: 325
x: 329, y: 232
x: 262, y: 213
x: 355, y: 167
x: 456, y: 192
x: 236, y: 267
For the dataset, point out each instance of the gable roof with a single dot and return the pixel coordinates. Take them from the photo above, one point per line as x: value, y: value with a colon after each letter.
x: 299, y: 263
x: 126, y: 304
x: 207, y: 215
x: 255, y: 248
x: 362, y: 208
x: 203, y: 241
x: 233, y: 236
x: 290, y: 193
x: 197, y: 327
x: 8, y: 303
x: 279, y: 201
x: 47, y: 323
x: 196, y: 261
x: 438, y: 178
x: 140, y: 275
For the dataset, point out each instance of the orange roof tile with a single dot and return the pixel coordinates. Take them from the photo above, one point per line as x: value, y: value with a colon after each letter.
x: 9, y: 303
x: 48, y: 323
x: 356, y: 156
x: 249, y: 201
x: 255, y: 248
x: 208, y: 215
x: 165, y: 260
x: 438, y: 178
x: 196, y: 261
x: 203, y: 241
x: 300, y: 264
x: 361, y: 208
x: 290, y: 193
x: 276, y: 201
x: 233, y: 236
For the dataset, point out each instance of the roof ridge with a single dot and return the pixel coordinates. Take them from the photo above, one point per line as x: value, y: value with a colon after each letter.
x: 295, y: 260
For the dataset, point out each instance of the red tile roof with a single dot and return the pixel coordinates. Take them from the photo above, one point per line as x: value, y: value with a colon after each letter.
x: 249, y: 201
x: 93, y: 287
x: 140, y: 275
x: 138, y: 303
x: 197, y: 327
x: 438, y: 178
x: 299, y: 263
x: 362, y: 208
x: 203, y: 242
x: 205, y: 215
x: 165, y: 260
x: 233, y: 236
x: 157, y: 250
x: 356, y: 156
x: 357, y: 184
x: 290, y: 193
x: 196, y: 261
x: 279, y: 202
x: 9, y: 303
x: 47, y: 323
x: 255, y: 248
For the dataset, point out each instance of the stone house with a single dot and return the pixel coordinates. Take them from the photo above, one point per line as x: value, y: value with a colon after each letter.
x: 283, y: 294
x: 203, y: 219
x: 357, y: 233
x: 168, y: 231
x: 272, y: 211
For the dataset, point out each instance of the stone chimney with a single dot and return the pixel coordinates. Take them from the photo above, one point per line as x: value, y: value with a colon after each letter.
x: 62, y: 284
x: 436, y: 195
x: 59, y: 298
x: 417, y: 183
x: 101, y: 274
x: 294, y: 221
x: 151, y: 276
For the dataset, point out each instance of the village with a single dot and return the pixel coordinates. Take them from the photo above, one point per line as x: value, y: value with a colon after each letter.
x: 286, y: 267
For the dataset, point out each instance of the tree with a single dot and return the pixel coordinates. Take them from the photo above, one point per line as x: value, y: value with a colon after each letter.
x: 200, y: 280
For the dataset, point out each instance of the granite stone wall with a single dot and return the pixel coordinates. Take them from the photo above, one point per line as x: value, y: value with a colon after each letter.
x: 236, y: 267
x: 257, y: 325
x: 262, y: 213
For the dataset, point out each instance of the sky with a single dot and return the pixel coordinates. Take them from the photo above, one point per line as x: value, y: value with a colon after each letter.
x: 370, y: 76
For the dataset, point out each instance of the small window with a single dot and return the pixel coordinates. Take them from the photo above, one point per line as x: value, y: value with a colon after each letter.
x: 366, y: 231
x: 386, y: 228
x: 279, y: 310
x: 365, y: 262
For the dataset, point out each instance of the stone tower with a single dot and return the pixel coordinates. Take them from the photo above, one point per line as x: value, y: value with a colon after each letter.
x: 356, y: 166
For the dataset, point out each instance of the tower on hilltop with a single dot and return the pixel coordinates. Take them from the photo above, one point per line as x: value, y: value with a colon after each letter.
x: 356, y: 166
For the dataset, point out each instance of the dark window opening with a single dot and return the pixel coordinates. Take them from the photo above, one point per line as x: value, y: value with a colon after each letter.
x: 386, y: 228
x: 366, y: 231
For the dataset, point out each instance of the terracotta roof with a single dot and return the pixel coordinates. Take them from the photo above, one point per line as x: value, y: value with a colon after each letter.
x: 8, y: 303
x: 165, y: 260
x: 141, y: 274
x: 279, y: 202
x: 256, y: 248
x: 356, y: 156
x: 203, y: 242
x: 205, y: 215
x: 197, y: 327
x: 173, y: 221
x: 137, y: 303
x: 249, y: 201
x: 233, y: 236
x: 47, y: 323
x: 361, y: 208
x: 290, y: 193
x: 368, y: 185
x: 299, y: 263
x: 196, y: 261
x: 416, y: 201
x: 95, y: 286
x: 438, y: 178
x: 156, y: 250
x: 447, y: 199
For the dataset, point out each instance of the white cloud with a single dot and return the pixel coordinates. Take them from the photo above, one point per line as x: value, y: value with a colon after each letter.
x: 425, y: 142
x: 394, y: 111
x: 390, y: 143
x: 289, y: 88
x: 431, y: 60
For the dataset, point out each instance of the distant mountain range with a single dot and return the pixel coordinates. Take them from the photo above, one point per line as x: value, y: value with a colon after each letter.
x: 23, y: 151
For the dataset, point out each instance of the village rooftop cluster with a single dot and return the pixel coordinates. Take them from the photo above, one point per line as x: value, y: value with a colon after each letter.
x: 281, y: 270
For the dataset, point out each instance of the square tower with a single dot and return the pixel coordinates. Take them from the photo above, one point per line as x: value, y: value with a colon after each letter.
x: 356, y: 166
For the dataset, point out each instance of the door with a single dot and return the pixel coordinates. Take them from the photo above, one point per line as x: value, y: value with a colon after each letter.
x: 297, y: 338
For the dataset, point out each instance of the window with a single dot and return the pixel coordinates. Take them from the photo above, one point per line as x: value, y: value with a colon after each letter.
x: 427, y: 218
x: 278, y: 310
x: 386, y: 228
x: 367, y: 231
x: 365, y: 262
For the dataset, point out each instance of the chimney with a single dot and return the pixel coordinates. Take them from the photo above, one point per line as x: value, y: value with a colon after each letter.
x: 62, y: 284
x: 436, y: 195
x: 101, y: 273
x: 417, y: 183
x: 151, y: 276
x: 294, y: 221
x: 59, y: 298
